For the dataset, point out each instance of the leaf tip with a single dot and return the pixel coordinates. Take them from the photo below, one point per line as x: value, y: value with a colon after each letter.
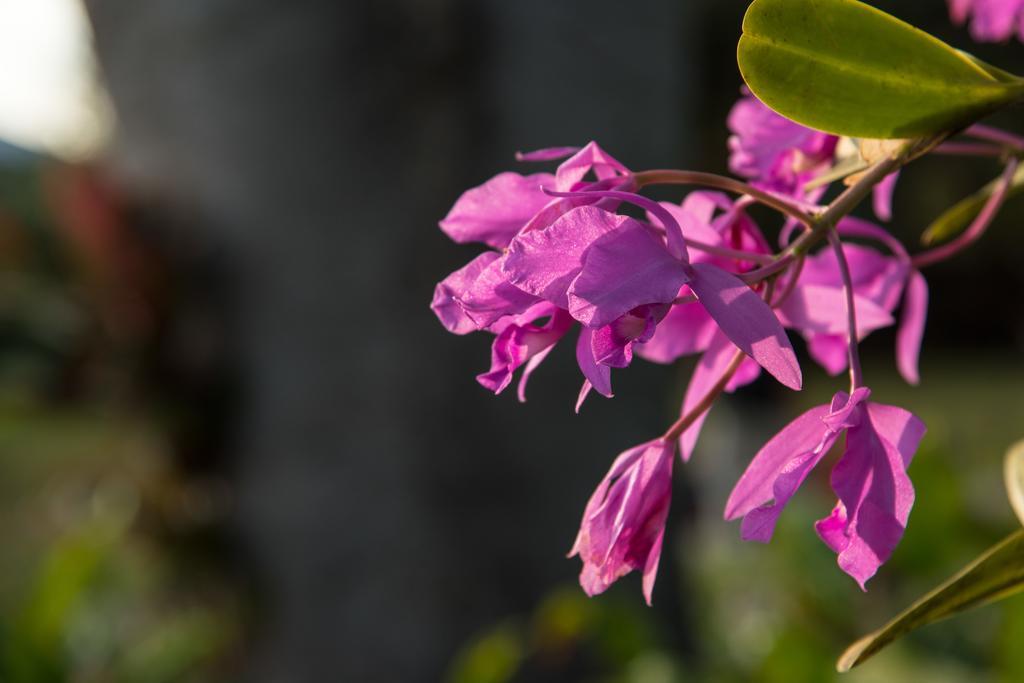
x: 855, y: 654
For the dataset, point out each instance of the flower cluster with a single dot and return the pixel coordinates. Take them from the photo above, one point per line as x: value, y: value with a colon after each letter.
x: 701, y: 277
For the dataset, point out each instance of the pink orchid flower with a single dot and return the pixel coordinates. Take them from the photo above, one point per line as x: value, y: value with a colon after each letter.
x: 870, y: 479
x: 624, y: 522
x: 479, y: 296
x: 602, y: 266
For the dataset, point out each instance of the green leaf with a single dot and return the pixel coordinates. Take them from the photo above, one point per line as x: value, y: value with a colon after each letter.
x: 847, y: 68
x: 997, y: 573
x: 958, y: 217
x: 1013, y: 477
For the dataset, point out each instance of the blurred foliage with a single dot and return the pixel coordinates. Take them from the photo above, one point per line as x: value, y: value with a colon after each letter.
x: 105, y: 570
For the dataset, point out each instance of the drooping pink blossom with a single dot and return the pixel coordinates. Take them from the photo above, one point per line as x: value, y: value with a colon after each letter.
x: 991, y: 20
x: 624, y: 522
x: 870, y: 479
x: 479, y: 296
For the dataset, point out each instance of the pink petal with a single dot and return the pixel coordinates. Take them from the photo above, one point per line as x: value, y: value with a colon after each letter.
x: 882, y: 197
x: 747, y: 320
x: 613, y: 344
x: 546, y: 154
x: 783, y: 464
x: 591, y: 157
x: 545, y: 262
x: 623, y: 269
x: 446, y: 305
x: 817, y: 309
x: 693, y: 224
x: 702, y: 204
x: 805, y: 434
x: 911, y: 330
x: 623, y: 525
x: 687, y: 329
x: 651, y: 565
x: 531, y: 365
x: 759, y: 524
x: 959, y: 9
x: 599, y: 376
x: 874, y: 490
x: 899, y: 427
x: 994, y: 20
x: 519, y: 344
x: 494, y: 212
x: 490, y: 297
x: 830, y: 351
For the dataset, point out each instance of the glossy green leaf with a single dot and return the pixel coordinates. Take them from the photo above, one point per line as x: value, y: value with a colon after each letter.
x: 998, y: 573
x: 956, y: 218
x: 847, y: 68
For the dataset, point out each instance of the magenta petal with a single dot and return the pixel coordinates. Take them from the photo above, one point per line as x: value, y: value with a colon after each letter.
x: 830, y: 351
x: 546, y: 154
x: 911, y: 330
x: 531, y: 365
x: 693, y: 225
x: 994, y: 20
x: 545, y: 262
x: 494, y: 212
x: 519, y: 344
x: 613, y: 344
x: 626, y: 268
x: 747, y: 320
x: 873, y: 487
x: 708, y: 372
x: 702, y: 204
x: 882, y: 197
x: 899, y: 427
x: 599, y: 376
x: 446, y: 304
x: 591, y: 157
x: 623, y: 525
x: 491, y: 297
x: 687, y: 329
x: 651, y: 565
x: 958, y: 10
x: 832, y: 529
x: 805, y: 434
x: 817, y: 309
x: 759, y: 524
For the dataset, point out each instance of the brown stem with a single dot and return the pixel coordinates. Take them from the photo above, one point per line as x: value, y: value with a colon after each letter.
x: 675, y: 177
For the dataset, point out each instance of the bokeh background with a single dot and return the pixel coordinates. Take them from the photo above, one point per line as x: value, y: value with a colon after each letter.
x: 235, y: 445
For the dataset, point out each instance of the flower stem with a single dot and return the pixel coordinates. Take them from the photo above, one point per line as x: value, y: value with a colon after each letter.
x: 725, y: 252
x: 982, y: 132
x: 675, y: 177
x: 856, y: 374
x: 684, y: 422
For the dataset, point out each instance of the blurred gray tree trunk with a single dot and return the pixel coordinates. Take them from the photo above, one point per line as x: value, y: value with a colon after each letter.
x: 389, y: 506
